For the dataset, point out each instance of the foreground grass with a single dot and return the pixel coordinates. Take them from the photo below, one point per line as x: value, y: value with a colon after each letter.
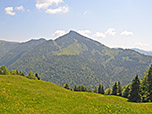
x: 21, y: 95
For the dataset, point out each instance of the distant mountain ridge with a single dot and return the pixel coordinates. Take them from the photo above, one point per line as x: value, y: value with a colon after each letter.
x: 143, y: 51
x: 76, y: 59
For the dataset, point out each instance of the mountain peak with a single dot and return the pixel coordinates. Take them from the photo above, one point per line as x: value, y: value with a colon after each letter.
x: 72, y: 32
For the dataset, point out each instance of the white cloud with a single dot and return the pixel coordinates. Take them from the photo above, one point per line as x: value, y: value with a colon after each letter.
x: 126, y: 33
x: 111, y: 32
x: 58, y: 33
x: 99, y: 35
x: 44, y: 4
x: 63, y: 9
x: 85, y: 12
x: 9, y: 11
x: 20, y: 8
x: 139, y: 44
x: 84, y: 32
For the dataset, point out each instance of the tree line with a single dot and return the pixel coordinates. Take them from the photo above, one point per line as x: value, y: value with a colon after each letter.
x: 137, y: 91
x: 4, y: 71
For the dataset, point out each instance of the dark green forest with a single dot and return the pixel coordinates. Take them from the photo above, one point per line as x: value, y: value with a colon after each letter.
x: 137, y: 91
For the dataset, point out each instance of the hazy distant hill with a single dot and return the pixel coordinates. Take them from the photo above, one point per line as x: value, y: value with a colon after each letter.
x: 143, y: 51
x: 76, y: 59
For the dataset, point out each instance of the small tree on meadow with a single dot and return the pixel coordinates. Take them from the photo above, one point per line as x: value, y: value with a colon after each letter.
x: 95, y: 89
x: 115, y: 89
x: 99, y: 89
x: 31, y: 75
x: 89, y: 89
x: 102, y: 89
x: 66, y: 86
x: 37, y: 75
x: 119, y: 88
x: 126, y: 90
x: 4, y: 70
x: 149, y: 80
x: 135, y: 95
x: 75, y: 88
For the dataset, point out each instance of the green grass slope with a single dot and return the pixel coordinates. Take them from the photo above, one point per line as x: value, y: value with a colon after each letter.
x: 22, y: 95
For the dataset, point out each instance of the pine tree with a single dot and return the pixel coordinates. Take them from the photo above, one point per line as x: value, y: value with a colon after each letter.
x: 135, y: 95
x: 75, y: 88
x: 95, y: 89
x: 83, y: 88
x: 37, y: 75
x: 108, y: 91
x: 89, y: 89
x: 99, y: 89
x: 66, y: 86
x: 126, y: 91
x: 144, y: 87
x: 31, y: 75
x: 150, y: 83
x: 119, y: 88
x: 4, y: 70
x: 115, y: 89
x: 102, y: 89
x: 79, y: 88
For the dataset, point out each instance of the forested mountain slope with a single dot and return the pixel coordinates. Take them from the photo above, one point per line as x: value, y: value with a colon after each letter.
x: 76, y: 59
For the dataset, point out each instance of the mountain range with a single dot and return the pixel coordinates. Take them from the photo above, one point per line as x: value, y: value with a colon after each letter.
x: 143, y: 51
x: 74, y: 59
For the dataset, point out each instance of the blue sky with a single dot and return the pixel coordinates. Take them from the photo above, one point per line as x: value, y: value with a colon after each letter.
x: 115, y: 23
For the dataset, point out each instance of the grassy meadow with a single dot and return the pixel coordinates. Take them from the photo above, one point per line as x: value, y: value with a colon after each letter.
x: 19, y: 95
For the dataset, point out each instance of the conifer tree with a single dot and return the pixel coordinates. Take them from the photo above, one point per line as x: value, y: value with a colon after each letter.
x: 126, y: 91
x: 99, y: 89
x: 115, y: 89
x: 144, y: 87
x: 135, y: 95
x: 66, y: 86
x: 89, y: 89
x: 149, y: 80
x: 102, y: 89
x: 75, y: 88
x: 119, y: 88
x: 83, y: 88
x: 31, y: 75
x: 95, y: 89
x: 4, y: 70
x: 37, y: 75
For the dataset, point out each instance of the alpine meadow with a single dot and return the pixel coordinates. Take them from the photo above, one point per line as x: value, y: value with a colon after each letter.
x: 75, y: 57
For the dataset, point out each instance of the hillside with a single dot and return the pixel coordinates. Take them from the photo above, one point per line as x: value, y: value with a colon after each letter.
x: 21, y: 95
x: 76, y: 59
x: 14, y: 51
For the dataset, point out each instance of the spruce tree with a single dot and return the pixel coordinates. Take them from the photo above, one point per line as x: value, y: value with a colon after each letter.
x: 31, y: 75
x: 95, y: 89
x: 149, y: 80
x: 115, y: 89
x: 99, y: 89
x: 135, y: 95
x: 66, y: 86
x: 102, y: 89
x: 75, y: 88
x: 144, y: 87
x: 83, y: 88
x: 37, y: 75
x: 126, y: 91
x: 4, y: 70
x: 89, y: 89
x: 119, y: 88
